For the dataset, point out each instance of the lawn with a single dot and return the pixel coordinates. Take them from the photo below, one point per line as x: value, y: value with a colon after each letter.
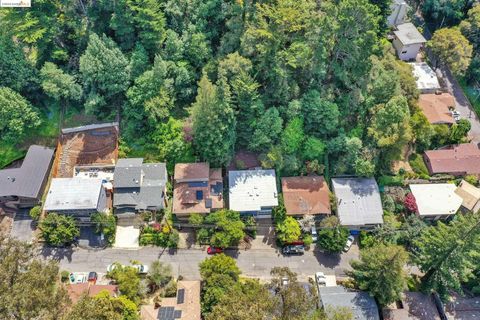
x: 472, y: 95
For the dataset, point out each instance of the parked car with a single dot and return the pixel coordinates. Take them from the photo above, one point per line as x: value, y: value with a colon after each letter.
x: 141, y: 268
x: 214, y: 250
x: 293, y: 249
x: 349, y: 243
x: 295, y: 243
x: 92, y: 277
x: 111, y: 267
x: 455, y: 113
x: 321, y: 279
x: 314, y: 234
x: 76, y: 278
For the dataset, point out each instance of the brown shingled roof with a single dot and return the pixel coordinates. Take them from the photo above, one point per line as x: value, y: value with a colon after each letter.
x: 457, y: 160
x: 436, y: 107
x: 306, y: 195
x: 192, y: 171
x: 75, y: 291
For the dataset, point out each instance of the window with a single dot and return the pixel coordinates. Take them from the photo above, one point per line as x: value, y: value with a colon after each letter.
x: 404, y: 51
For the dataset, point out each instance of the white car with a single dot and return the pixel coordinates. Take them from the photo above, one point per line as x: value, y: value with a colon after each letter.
x: 321, y: 279
x: 76, y: 278
x: 349, y: 243
x: 314, y: 234
x: 141, y: 268
x: 111, y: 267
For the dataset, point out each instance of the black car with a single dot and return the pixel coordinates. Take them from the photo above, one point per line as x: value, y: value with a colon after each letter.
x: 293, y: 249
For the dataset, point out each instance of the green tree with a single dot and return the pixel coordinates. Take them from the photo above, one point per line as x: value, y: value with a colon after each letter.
x: 213, y: 123
x: 105, y: 223
x: 445, y: 12
x: 229, y: 228
x: 58, y: 84
x: 159, y: 275
x: 470, y: 26
x: 29, y: 286
x: 105, y: 75
x: 452, y: 48
x: 103, y: 307
x: 422, y: 130
x: 219, y: 264
x: 35, y: 212
x: 128, y: 281
x: 447, y: 253
x: 267, y: 129
x: 16, y: 115
x: 59, y: 230
x: 293, y: 136
x: 288, y: 230
x: 321, y: 116
x: 196, y: 219
x: 292, y: 301
x: 459, y: 131
x: 380, y: 271
x: 139, y: 61
x: 332, y: 237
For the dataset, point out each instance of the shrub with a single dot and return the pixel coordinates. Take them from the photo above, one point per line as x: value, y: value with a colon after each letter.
x: 391, y: 181
x: 410, y: 203
x: 35, y: 213
x: 106, y: 224
x: 388, y: 203
x: 472, y: 179
x: 64, y: 276
x: 333, y: 240
x: 367, y: 240
x: 307, y: 239
x: 418, y: 165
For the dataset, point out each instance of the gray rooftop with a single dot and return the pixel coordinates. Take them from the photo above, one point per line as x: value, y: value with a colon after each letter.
x: 362, y: 305
x: 139, y: 185
x: 358, y: 201
x: 27, y: 180
x: 73, y: 194
x: 91, y: 127
x: 408, y: 34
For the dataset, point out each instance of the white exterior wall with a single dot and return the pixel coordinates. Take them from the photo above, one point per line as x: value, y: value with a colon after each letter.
x: 398, y: 15
x: 408, y: 52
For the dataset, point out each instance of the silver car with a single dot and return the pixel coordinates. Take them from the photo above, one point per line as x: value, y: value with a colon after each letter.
x: 349, y: 243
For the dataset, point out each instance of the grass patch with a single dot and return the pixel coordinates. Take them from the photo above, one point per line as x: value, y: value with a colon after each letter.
x: 391, y: 180
x: 418, y: 165
x: 471, y: 94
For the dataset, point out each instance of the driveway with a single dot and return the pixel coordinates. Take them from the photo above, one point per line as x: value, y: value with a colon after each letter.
x: 23, y: 226
x: 255, y: 263
x: 126, y: 237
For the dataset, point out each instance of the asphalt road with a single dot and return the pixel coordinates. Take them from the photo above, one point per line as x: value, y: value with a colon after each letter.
x: 253, y: 263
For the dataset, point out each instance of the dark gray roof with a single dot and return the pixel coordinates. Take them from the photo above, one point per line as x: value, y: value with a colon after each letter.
x: 139, y: 185
x: 27, y: 180
x: 362, y: 305
x: 90, y: 127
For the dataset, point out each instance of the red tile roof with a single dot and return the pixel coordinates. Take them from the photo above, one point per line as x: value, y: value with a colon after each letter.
x: 306, y: 195
x: 75, y: 291
x: 457, y: 160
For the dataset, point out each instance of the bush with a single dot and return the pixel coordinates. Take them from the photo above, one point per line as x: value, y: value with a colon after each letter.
x: 472, y: 179
x: 35, y: 213
x: 418, y: 165
x: 64, y: 276
x: 106, y: 224
x: 307, y: 240
x: 411, y: 203
x: 59, y: 230
x: 391, y: 181
x: 367, y: 240
x: 388, y: 203
x: 333, y: 240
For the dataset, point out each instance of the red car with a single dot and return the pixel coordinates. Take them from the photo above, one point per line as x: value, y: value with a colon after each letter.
x: 214, y: 250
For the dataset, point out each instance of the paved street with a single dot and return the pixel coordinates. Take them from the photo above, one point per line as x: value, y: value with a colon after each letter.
x: 253, y: 263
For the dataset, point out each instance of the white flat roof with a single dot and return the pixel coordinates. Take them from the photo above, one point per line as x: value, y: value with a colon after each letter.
x: 73, y: 194
x: 408, y: 34
x: 250, y: 190
x: 426, y: 78
x: 436, y: 199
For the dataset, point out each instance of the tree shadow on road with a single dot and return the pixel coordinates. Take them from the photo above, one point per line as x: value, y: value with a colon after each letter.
x: 328, y: 260
x: 57, y: 253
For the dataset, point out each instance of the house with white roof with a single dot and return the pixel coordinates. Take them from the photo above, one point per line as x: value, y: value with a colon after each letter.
x: 253, y: 192
x: 76, y: 196
x: 426, y: 78
x: 437, y: 200
x: 408, y: 41
x: 358, y: 202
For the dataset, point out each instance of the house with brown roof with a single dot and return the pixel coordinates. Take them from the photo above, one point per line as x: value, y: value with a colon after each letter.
x: 77, y: 290
x: 185, y: 306
x: 306, y: 195
x: 436, y: 107
x: 197, y: 189
x: 412, y: 306
x: 457, y: 160
x: 470, y: 195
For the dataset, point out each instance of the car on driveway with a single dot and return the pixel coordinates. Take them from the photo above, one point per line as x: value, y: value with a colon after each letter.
x: 293, y: 249
x: 321, y: 279
x: 214, y: 250
x: 314, y: 234
x: 141, y: 268
x: 349, y: 243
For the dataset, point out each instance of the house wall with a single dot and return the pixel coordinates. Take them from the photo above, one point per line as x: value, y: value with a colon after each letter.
x: 102, y: 200
x: 406, y: 52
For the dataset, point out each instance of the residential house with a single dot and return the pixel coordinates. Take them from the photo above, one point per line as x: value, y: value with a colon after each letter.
x: 398, y: 15
x: 185, y: 306
x: 426, y: 78
x: 470, y: 195
x: 358, y: 202
x: 24, y: 186
x: 436, y: 107
x: 197, y: 189
x: 437, y: 200
x: 457, y: 160
x: 308, y: 195
x: 412, y: 306
x: 138, y: 186
x: 360, y: 303
x: 253, y: 192
x: 77, y: 197
x: 408, y: 41
x: 77, y: 290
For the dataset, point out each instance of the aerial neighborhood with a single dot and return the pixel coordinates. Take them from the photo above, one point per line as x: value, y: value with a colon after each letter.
x: 231, y: 160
